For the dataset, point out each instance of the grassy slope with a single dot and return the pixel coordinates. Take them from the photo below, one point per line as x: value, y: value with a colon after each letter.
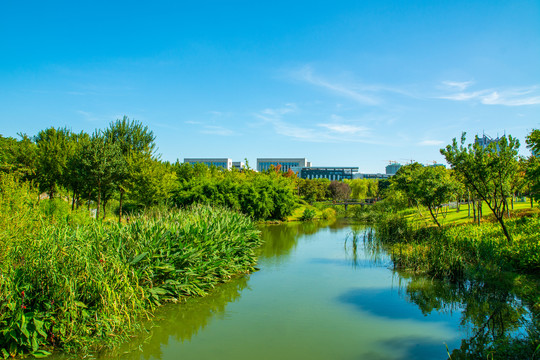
x: 457, y: 218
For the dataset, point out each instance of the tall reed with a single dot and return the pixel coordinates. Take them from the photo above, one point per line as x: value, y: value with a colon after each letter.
x: 77, y: 287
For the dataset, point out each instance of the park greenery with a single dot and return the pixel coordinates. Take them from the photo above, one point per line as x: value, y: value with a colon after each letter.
x: 71, y: 282
x: 497, y: 240
x: 96, y: 230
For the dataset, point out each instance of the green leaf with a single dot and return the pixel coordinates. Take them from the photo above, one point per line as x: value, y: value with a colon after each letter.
x: 41, y: 354
x: 138, y: 258
x: 39, y: 327
x: 80, y: 304
x: 158, y: 291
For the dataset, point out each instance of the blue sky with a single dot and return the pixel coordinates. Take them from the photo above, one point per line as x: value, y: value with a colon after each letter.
x: 343, y: 83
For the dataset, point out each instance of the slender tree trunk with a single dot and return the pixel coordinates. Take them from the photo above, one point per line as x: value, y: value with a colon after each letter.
x: 104, y: 208
x: 98, y: 202
x: 530, y: 195
x: 512, y: 200
x: 433, y: 216
x: 469, y: 202
x: 479, y: 202
x: 120, y: 208
x: 505, y: 230
x: 474, y: 209
x: 73, y: 201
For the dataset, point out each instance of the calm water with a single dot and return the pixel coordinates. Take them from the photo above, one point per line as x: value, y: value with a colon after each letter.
x: 315, y: 297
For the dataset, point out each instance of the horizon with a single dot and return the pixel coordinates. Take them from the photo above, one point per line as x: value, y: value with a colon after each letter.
x: 341, y: 84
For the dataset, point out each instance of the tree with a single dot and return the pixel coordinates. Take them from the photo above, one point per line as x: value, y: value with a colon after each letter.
x: 406, y: 181
x: 18, y: 156
x: 152, y: 181
x: 101, y: 162
x: 133, y: 140
x: 54, y: 147
x: 339, y: 190
x: 75, y: 177
x: 434, y: 188
x: 532, y: 165
x: 487, y: 170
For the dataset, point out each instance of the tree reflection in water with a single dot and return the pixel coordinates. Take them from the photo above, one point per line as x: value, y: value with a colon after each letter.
x: 179, y: 322
x: 500, y: 313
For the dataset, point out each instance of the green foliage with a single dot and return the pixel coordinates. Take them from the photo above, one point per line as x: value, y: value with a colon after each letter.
x: 487, y: 171
x: 312, y: 190
x: 328, y: 214
x: 262, y: 196
x: 86, y: 286
x: 308, y: 215
x: 152, y: 181
x: 339, y: 190
x: 452, y: 251
x: 363, y: 188
x: 103, y: 167
x: 18, y: 156
x: 54, y: 147
x: 425, y: 185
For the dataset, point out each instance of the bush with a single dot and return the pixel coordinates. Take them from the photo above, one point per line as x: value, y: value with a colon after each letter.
x: 309, y: 214
x: 79, y: 287
x: 328, y: 214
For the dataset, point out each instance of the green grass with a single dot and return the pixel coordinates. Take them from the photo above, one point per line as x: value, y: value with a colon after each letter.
x: 80, y: 286
x: 299, y: 211
x: 454, y: 217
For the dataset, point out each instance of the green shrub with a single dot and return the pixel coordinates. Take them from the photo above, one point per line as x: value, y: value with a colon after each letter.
x: 79, y: 287
x: 309, y: 214
x: 328, y: 214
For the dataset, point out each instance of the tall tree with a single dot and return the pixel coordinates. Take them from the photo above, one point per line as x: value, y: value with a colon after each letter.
x: 532, y: 165
x: 101, y: 161
x: 54, y: 147
x: 487, y: 170
x: 134, y: 140
x: 75, y: 176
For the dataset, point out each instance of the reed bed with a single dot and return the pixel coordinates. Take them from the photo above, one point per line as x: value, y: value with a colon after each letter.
x: 453, y: 250
x: 80, y: 287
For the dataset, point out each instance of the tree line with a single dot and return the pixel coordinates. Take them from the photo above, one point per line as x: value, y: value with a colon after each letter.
x: 120, y: 165
x: 493, y: 175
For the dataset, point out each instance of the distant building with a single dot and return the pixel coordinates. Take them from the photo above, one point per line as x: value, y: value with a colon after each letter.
x: 371, y: 176
x: 239, y: 165
x: 225, y: 163
x: 436, y: 165
x: 392, y: 168
x: 328, y: 172
x: 485, y: 140
x: 295, y: 164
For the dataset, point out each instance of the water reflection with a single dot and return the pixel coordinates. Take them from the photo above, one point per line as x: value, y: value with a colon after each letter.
x: 281, y: 239
x: 335, y: 298
x: 180, y: 322
x: 499, y: 317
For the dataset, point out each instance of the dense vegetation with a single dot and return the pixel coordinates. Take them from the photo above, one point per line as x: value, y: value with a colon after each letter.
x: 75, y: 283
x: 489, y: 246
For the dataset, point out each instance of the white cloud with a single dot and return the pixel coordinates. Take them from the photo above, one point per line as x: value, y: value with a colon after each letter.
x: 460, y: 85
x: 337, y: 131
x: 345, y: 128
x: 306, y: 74
x: 506, y: 97
x: 217, y: 130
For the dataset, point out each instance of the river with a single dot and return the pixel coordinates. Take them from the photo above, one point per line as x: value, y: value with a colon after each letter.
x: 318, y: 296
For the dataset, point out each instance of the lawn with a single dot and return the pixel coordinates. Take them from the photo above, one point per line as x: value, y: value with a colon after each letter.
x: 461, y: 217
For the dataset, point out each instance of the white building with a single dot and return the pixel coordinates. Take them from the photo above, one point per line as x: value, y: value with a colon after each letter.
x: 295, y: 164
x: 225, y: 163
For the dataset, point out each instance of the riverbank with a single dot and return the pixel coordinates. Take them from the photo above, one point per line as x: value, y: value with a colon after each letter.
x: 462, y: 253
x: 75, y: 286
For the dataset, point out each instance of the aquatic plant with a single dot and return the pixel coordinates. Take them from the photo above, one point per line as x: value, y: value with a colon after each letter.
x: 83, y: 286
